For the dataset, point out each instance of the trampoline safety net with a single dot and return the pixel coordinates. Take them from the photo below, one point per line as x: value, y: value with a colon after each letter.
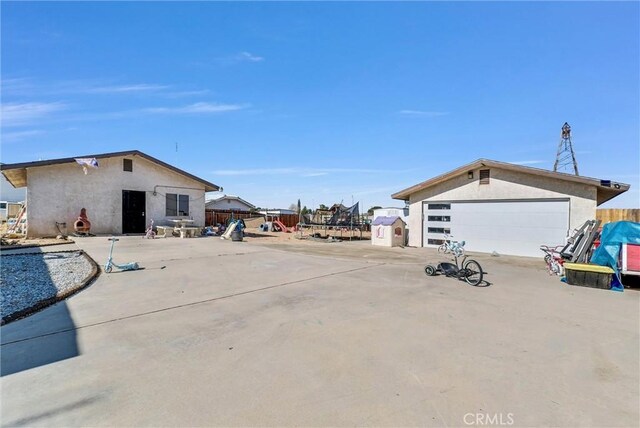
x: 345, y: 216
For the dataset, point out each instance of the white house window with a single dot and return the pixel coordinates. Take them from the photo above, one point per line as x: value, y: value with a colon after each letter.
x: 127, y: 165
x: 177, y: 205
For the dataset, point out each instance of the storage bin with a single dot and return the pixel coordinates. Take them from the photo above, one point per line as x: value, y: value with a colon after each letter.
x: 586, y: 275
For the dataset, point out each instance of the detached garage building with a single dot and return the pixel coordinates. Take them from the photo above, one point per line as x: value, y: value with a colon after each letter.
x: 502, y: 207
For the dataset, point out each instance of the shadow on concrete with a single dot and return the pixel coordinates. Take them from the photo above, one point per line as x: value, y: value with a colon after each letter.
x: 43, y: 338
x: 484, y: 283
x: 25, y: 354
x: 29, y: 421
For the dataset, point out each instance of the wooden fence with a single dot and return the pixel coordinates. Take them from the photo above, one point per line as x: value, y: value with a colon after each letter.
x: 607, y: 215
x: 289, y: 220
x: 213, y: 217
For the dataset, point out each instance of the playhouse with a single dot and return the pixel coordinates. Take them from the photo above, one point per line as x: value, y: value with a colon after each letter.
x: 388, y: 231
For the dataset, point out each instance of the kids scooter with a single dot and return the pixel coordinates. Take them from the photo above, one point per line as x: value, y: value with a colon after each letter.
x: 108, y: 267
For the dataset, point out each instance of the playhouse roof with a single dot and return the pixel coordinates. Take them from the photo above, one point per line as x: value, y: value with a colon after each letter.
x: 385, y: 221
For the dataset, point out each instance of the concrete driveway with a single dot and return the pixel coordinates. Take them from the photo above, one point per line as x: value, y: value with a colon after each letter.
x: 219, y: 333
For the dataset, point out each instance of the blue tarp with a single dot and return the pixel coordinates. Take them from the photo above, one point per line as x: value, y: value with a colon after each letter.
x: 613, y: 236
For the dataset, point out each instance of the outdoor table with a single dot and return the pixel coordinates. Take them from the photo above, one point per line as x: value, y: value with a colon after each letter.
x: 184, y: 230
x: 183, y: 222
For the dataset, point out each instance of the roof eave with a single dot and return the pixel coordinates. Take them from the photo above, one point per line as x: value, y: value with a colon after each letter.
x: 406, y: 193
x: 605, y: 194
x: 208, y: 186
x: 16, y: 177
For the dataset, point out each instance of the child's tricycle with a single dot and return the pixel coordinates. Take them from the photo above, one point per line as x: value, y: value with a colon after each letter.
x: 469, y: 270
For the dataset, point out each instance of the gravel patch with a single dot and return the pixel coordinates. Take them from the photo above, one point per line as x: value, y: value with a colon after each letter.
x: 34, y: 280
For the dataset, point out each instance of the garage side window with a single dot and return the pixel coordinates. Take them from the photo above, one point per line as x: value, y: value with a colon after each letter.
x: 439, y: 206
x: 484, y: 176
x: 438, y: 230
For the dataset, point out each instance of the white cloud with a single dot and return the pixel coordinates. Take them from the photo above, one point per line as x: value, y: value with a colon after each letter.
x: 16, y: 85
x: 247, y: 56
x: 196, y: 108
x: 140, y: 87
x: 29, y: 87
x: 14, y: 114
x: 236, y: 59
x: 422, y: 113
x: 19, y: 135
x: 181, y: 94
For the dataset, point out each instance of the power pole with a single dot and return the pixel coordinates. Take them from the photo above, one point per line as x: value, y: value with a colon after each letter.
x: 565, y: 158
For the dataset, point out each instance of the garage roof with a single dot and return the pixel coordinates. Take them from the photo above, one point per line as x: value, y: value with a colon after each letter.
x: 606, y: 188
x: 16, y: 173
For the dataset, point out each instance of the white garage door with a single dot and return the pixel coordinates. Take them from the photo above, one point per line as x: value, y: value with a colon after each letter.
x: 506, y: 227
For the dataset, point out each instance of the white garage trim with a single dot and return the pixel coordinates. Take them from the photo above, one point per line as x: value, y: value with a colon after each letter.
x: 506, y: 226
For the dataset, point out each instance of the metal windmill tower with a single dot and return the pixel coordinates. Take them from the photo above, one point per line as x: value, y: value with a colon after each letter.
x: 565, y: 158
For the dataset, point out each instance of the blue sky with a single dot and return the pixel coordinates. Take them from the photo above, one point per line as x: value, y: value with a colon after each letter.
x: 325, y: 102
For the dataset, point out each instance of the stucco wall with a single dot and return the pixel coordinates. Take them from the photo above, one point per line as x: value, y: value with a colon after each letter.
x: 56, y: 193
x: 504, y: 185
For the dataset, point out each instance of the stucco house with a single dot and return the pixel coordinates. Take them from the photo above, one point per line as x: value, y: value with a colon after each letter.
x: 229, y: 203
x: 502, y: 207
x: 122, y: 194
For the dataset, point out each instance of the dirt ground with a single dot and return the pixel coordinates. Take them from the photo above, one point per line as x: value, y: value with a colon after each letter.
x: 12, y: 241
x: 304, y: 236
x: 251, y: 235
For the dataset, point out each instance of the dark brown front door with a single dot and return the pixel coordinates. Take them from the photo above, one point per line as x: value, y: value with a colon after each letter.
x: 133, y: 211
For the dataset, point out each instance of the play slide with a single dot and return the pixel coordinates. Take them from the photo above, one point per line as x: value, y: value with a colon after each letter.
x: 282, y: 227
x: 227, y: 233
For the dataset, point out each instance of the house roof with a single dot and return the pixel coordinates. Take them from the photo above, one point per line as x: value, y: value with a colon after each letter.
x: 606, y: 189
x: 233, y: 198
x: 16, y: 173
